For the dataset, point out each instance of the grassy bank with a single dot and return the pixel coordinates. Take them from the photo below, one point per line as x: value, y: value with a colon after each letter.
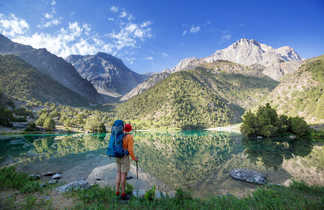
x: 18, y: 191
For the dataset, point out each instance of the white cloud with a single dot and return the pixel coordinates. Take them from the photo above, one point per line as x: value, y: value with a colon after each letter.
x: 79, y: 38
x: 12, y: 26
x: 53, y: 22
x: 114, y: 9
x: 128, y: 35
x: 48, y: 16
x: 146, y: 23
x: 194, y: 29
x: 149, y: 58
x: 123, y: 14
x: 74, y: 39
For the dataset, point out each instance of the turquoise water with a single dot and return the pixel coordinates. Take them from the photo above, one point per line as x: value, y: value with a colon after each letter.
x: 199, y: 161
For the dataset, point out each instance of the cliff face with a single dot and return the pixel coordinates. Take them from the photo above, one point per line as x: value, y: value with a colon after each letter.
x: 108, y: 74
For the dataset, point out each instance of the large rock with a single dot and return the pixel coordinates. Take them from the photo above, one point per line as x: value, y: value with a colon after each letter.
x: 248, y: 175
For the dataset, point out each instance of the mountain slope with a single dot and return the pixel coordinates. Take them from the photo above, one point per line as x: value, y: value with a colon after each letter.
x: 108, y: 74
x: 51, y: 65
x: 147, y: 84
x: 274, y: 63
x: 302, y: 93
x: 20, y: 80
x: 206, y: 96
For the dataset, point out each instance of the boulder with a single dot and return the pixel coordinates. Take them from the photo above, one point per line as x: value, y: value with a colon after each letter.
x: 57, y: 176
x: 49, y: 173
x: 81, y: 184
x: 249, y: 176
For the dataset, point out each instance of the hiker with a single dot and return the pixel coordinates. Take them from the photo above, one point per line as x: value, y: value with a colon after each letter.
x: 121, y: 145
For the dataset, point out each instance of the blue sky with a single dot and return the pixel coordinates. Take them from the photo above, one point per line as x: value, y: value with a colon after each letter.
x: 151, y: 35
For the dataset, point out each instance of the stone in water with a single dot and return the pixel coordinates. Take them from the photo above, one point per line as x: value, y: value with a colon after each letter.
x: 248, y: 176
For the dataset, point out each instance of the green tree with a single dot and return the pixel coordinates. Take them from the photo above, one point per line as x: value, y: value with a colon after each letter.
x: 41, y: 119
x: 249, y: 125
x: 299, y: 126
x: 49, y: 124
x: 94, y: 125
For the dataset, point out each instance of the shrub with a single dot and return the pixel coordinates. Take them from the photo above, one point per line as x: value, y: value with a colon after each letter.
x: 10, y: 179
x: 129, y: 189
x: 150, y: 194
x: 181, y: 195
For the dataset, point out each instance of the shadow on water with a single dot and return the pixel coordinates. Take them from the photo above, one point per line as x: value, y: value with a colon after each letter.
x: 272, y: 152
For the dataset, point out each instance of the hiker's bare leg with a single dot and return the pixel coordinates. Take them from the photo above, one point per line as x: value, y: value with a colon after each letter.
x: 118, y: 181
x: 123, y: 181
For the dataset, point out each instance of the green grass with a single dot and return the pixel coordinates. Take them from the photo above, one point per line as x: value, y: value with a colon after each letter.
x: 11, y: 179
x: 297, y: 196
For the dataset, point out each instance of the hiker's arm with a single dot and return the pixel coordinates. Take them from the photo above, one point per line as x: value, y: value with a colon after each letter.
x: 131, y: 148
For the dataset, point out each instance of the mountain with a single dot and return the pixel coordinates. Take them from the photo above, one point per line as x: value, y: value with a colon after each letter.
x: 302, y: 92
x: 20, y: 80
x: 148, y: 83
x: 276, y: 62
x: 55, y: 67
x: 209, y: 95
x: 108, y: 74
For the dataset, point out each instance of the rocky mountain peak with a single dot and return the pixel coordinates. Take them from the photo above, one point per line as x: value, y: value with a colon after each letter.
x: 185, y: 63
x: 106, y: 73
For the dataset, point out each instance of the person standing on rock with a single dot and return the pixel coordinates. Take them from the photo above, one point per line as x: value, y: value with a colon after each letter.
x: 123, y: 163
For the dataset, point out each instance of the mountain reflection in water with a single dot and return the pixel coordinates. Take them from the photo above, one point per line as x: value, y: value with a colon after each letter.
x: 199, y: 161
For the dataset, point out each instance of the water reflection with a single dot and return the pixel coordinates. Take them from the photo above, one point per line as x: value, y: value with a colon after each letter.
x: 197, y: 160
x: 31, y: 147
x: 185, y: 158
x: 272, y: 153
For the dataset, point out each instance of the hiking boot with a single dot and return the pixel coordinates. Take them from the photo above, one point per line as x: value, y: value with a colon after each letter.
x: 125, y: 197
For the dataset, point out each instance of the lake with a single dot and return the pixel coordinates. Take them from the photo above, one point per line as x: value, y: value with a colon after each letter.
x: 199, y: 161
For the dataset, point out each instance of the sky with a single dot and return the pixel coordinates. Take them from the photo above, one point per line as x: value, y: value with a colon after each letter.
x: 152, y: 35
